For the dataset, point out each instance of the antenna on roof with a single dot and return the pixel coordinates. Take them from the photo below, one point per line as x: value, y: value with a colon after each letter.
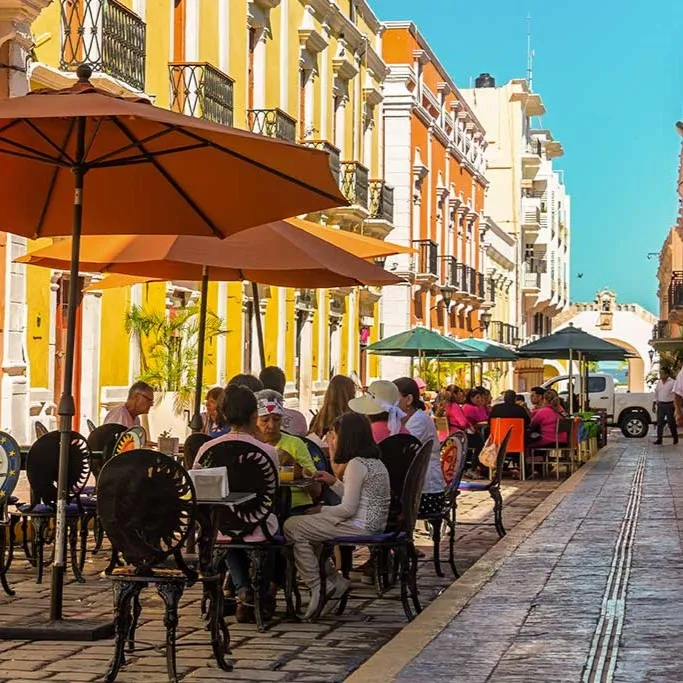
x: 529, y: 55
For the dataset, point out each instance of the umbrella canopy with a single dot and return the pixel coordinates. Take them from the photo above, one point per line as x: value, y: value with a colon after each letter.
x: 485, y: 350
x: 418, y: 342
x: 277, y: 254
x: 571, y: 341
x: 147, y: 170
x: 80, y: 161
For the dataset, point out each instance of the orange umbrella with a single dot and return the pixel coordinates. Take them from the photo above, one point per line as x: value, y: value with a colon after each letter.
x: 291, y: 253
x: 82, y: 161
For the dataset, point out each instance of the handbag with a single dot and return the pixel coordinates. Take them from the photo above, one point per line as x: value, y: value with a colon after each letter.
x: 489, y: 454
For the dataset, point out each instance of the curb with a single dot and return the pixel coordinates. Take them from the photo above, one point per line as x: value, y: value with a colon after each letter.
x: 388, y: 662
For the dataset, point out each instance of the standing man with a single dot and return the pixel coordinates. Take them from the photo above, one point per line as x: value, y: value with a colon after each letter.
x: 140, y: 400
x: 665, y: 395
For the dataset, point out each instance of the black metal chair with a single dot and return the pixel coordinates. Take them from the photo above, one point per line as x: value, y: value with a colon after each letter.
x: 322, y: 464
x: 41, y: 429
x: 563, y: 453
x: 397, y: 540
x: 191, y: 447
x: 397, y: 454
x: 446, y: 516
x: 42, y: 469
x: 91, y: 426
x: 10, y: 467
x: 493, y: 487
x: 251, y: 470
x: 147, y: 506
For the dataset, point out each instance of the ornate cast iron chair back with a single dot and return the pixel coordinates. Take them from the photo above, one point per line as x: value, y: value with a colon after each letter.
x: 10, y: 467
x: 42, y: 467
x: 412, y: 487
x: 91, y: 426
x: 398, y: 453
x: 41, y: 429
x: 457, y: 440
x: 132, y: 439
x: 250, y: 470
x: 147, y: 506
x: 191, y: 447
x: 103, y: 439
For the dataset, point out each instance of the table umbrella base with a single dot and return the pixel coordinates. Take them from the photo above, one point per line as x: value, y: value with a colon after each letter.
x: 65, y: 629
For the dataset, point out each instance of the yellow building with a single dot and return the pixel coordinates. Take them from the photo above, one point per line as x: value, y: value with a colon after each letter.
x: 307, y: 71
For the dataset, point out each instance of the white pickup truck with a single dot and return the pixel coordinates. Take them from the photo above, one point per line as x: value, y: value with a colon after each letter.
x: 631, y: 412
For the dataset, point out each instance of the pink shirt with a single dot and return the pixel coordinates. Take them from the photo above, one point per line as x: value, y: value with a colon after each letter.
x: 544, y: 420
x: 294, y: 422
x: 273, y: 524
x: 456, y: 417
x: 380, y: 431
x: 121, y: 416
x: 475, y: 413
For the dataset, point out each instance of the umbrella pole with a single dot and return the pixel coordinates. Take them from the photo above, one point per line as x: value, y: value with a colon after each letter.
x: 196, y: 422
x: 259, y: 324
x: 571, y: 384
x: 67, y: 406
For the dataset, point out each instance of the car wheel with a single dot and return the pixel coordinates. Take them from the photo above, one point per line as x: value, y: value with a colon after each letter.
x: 634, y: 426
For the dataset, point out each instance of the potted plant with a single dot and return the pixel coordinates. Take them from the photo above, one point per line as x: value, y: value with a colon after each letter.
x: 168, y: 362
x: 168, y: 444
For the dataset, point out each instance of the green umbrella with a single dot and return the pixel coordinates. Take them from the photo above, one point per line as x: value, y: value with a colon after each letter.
x: 418, y: 342
x: 485, y: 350
x: 567, y: 342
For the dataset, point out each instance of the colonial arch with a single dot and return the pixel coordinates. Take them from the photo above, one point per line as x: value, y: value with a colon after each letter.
x: 636, y: 365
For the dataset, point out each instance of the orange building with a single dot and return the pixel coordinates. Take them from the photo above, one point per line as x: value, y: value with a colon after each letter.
x: 434, y: 157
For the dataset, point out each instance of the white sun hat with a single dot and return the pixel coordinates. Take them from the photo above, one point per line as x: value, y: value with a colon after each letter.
x: 381, y: 396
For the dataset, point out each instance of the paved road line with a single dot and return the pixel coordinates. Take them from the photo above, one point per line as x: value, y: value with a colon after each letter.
x: 602, y: 658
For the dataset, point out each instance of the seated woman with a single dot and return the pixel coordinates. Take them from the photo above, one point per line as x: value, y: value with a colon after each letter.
x: 239, y: 410
x: 381, y: 404
x: 213, y: 422
x: 363, y: 510
x: 543, y: 426
x: 292, y: 451
x: 475, y: 413
x: 340, y: 391
x: 421, y: 425
x: 453, y: 409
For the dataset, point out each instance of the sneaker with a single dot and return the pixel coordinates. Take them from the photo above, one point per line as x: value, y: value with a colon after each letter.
x: 337, y: 585
x: 312, y: 603
x: 244, y: 613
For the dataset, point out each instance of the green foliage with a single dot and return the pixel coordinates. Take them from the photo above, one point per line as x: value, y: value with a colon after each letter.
x: 168, y: 347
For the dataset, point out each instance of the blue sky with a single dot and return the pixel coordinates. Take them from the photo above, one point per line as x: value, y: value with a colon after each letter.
x: 610, y: 76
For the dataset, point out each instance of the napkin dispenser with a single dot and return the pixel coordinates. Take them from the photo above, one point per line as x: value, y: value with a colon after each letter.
x: 210, y: 483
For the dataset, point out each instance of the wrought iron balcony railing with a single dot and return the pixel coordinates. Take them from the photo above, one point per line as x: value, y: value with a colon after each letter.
x: 201, y: 90
x: 427, y: 257
x: 355, y: 183
x: 450, y: 274
x: 333, y: 151
x: 535, y: 265
x: 105, y: 35
x: 503, y: 333
x: 381, y: 201
x: 481, y: 286
x: 676, y: 290
x: 273, y: 123
x: 490, y: 290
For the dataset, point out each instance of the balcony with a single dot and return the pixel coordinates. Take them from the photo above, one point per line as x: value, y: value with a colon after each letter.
x: 328, y: 147
x: 105, y: 35
x: 490, y: 290
x: 381, y: 206
x: 676, y: 290
x: 667, y: 336
x: 533, y: 269
x: 503, y: 333
x: 355, y: 183
x: 201, y: 90
x: 481, y: 286
x: 450, y: 274
x: 427, y: 260
x: 273, y: 123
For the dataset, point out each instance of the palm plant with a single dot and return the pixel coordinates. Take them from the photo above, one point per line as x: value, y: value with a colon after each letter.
x: 168, y: 347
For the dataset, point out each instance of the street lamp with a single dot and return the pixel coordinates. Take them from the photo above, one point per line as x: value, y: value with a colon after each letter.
x: 485, y: 320
x: 447, y: 293
x: 651, y: 353
x: 517, y: 341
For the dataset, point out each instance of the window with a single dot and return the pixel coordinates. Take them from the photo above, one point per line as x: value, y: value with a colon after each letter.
x: 597, y: 385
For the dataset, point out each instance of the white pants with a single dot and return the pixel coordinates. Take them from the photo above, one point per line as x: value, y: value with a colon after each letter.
x: 307, y: 532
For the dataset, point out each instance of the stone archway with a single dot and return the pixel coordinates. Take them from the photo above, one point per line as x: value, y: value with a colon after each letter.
x: 636, y: 366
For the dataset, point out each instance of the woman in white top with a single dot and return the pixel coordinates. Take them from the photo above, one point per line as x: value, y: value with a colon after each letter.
x: 365, y: 495
x: 420, y: 424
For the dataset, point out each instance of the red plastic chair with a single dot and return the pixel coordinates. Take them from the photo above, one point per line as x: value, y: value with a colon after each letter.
x: 500, y: 427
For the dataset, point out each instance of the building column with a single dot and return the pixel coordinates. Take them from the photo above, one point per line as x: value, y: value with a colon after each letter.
x: 305, y: 357
x: 91, y: 310
x: 222, y: 339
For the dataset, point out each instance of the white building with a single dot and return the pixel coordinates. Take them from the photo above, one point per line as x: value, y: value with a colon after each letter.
x: 526, y: 198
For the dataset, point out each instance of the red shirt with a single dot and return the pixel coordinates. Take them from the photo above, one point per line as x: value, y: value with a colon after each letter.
x: 380, y: 431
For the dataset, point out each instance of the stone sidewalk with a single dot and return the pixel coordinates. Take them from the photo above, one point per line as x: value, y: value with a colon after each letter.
x: 322, y: 652
x: 588, y: 588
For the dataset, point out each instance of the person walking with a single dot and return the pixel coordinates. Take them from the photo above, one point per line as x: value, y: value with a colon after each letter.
x: 666, y: 411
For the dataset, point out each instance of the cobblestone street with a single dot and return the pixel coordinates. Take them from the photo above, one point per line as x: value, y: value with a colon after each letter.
x: 591, y: 592
x: 324, y: 651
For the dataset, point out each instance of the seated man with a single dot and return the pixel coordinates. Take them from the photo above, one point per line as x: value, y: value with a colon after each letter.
x: 293, y: 421
x: 140, y: 400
